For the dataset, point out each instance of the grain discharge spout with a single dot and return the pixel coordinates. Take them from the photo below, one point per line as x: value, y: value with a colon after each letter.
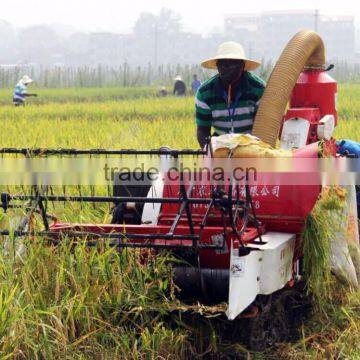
x: 305, y: 49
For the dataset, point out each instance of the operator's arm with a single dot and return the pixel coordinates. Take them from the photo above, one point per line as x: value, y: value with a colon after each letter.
x: 203, y: 117
x: 202, y: 133
x: 21, y: 90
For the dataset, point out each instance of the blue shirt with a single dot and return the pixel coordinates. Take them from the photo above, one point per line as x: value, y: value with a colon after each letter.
x: 195, y: 85
x: 20, y: 91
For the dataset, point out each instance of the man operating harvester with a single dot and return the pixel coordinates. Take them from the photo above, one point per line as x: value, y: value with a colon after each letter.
x: 229, y: 100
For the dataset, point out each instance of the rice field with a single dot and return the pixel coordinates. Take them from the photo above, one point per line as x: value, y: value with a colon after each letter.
x: 99, y: 304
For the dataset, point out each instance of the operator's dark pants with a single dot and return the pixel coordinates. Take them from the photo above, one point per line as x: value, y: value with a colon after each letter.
x: 18, y: 102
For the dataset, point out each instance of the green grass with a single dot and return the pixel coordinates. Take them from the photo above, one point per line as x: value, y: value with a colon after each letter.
x: 57, y: 303
x: 80, y: 94
x: 130, y: 124
x: 63, y: 115
x: 349, y: 112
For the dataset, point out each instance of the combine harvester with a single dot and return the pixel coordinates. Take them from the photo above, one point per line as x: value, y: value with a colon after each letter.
x: 238, y: 245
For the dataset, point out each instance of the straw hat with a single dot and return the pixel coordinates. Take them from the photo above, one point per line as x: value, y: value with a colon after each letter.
x: 230, y: 50
x: 26, y: 80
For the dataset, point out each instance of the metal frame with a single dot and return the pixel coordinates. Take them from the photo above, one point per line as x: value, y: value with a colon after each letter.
x: 218, y: 200
x: 37, y: 205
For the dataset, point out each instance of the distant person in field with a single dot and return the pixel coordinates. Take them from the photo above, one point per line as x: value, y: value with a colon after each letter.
x: 195, y: 84
x: 21, y: 91
x: 179, y: 86
x: 162, y: 92
x: 228, y: 101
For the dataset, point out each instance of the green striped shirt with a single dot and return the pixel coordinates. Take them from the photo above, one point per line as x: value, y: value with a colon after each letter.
x: 212, y: 109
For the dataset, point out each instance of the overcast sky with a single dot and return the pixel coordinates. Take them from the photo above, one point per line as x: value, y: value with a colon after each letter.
x: 119, y: 15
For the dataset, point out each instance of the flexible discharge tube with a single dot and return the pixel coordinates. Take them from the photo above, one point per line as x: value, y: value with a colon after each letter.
x: 306, y: 48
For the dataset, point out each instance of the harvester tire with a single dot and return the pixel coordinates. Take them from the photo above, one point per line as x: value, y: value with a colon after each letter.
x: 278, y: 321
x: 269, y: 327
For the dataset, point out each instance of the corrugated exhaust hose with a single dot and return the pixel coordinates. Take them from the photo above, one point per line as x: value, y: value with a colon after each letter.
x: 306, y: 48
